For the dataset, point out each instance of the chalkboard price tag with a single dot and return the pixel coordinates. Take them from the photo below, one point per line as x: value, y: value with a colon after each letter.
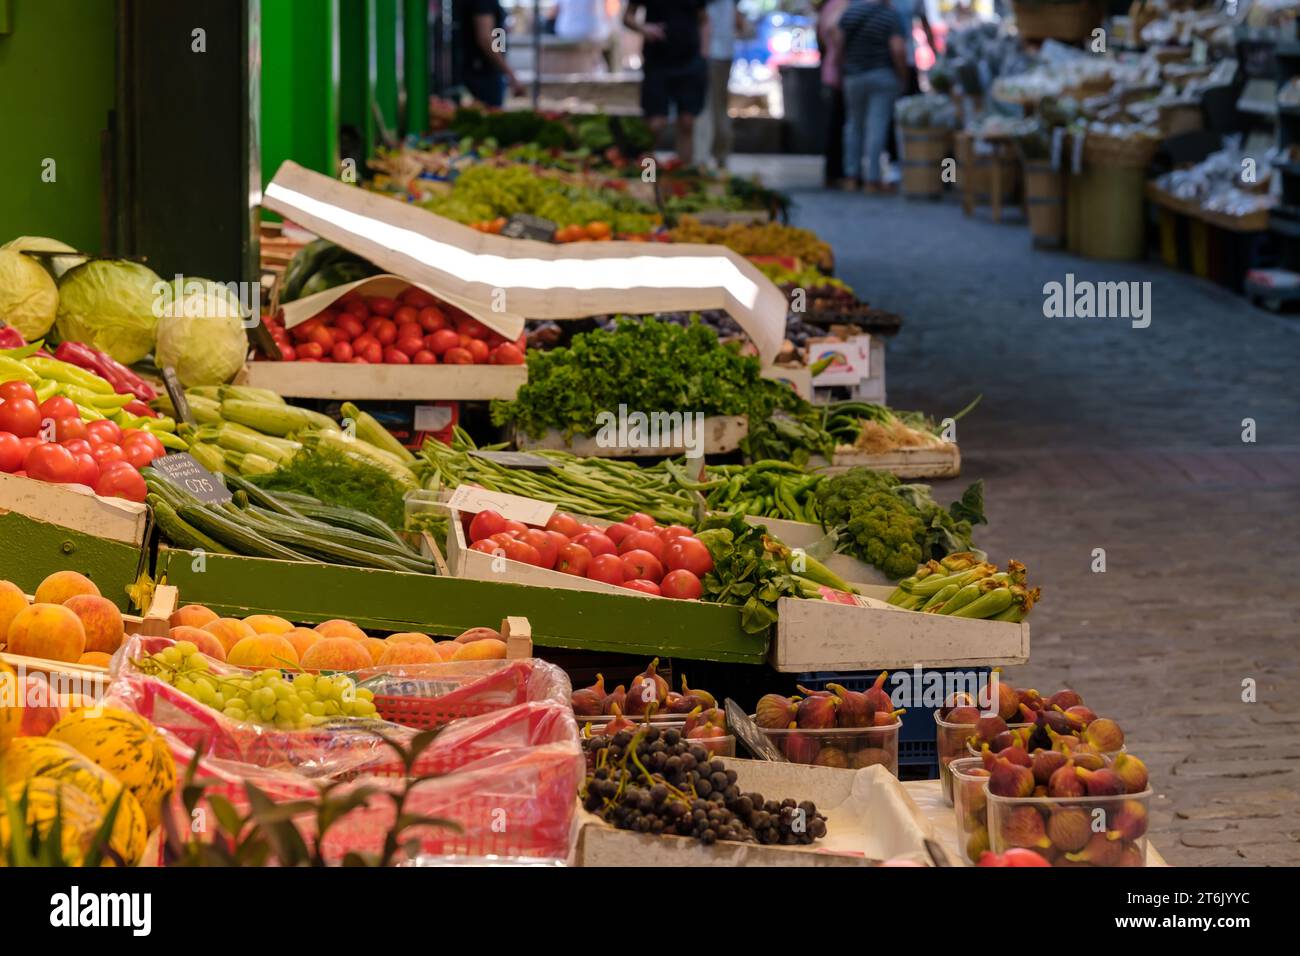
x: 523, y: 226
x: 751, y: 735
x: 177, y: 395
x: 187, y: 474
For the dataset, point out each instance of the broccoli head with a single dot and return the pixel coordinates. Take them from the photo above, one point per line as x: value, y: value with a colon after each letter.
x: 883, y: 531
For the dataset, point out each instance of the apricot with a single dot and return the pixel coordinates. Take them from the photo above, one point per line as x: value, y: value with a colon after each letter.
x: 207, y: 642
x: 340, y: 628
x: 411, y: 637
x: 11, y: 705
x: 46, y: 630
x: 12, y: 600
x: 477, y: 634
x: 487, y: 649
x: 447, y: 649
x: 192, y: 615
x: 96, y: 658
x: 301, y: 638
x: 404, y: 652
x: 100, y: 619
x: 61, y: 585
x: 261, y: 651
x: 268, y: 624
x: 376, y: 647
x: 229, y: 631
x: 336, y: 654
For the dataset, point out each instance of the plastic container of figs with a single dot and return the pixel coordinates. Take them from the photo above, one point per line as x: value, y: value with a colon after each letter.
x: 849, y: 748
x: 1073, y: 831
x: 952, y: 742
x: 969, y: 782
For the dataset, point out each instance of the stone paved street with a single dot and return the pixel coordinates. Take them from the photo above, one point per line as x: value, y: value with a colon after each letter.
x: 1093, y: 434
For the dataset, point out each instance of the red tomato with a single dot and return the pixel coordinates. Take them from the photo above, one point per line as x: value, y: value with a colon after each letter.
x: 11, y: 452
x: 644, y: 541
x: 517, y: 550
x: 342, y: 352
x: 77, y: 446
x: 597, y: 543
x: 103, y: 432
x: 557, y: 539
x: 506, y: 354
x: 406, y: 313
x: 381, y: 305
x: 10, y: 390
x: 565, y: 524
x: 463, y: 340
x: 105, y: 453
x: 69, y: 428
x: 21, y: 417
x: 573, y: 558
x: 546, y: 548
x: 618, y: 531
x: 485, y: 524
x: 641, y: 521
x: 424, y: 357
x: 357, y: 307
x: 363, y: 342
x: 478, y: 351
x: 431, y: 318
x: 440, y: 341
x: 288, y: 353
x: 516, y: 527
x: 417, y: 298
x: 137, y: 454
x: 681, y: 584
x: 87, y: 470
x: 59, y: 406
x: 384, y: 331
x: 675, y: 531
x: 409, y: 345
x: 27, y: 444
x: 500, y: 538
x: 120, y: 480
x: 607, y: 568
x: 322, y: 337
x: 348, y: 327
x: 50, y: 462
x: 473, y: 328
x: 147, y: 438
x: 303, y: 330
x: 395, y: 356
x: 645, y: 587
x: 311, y: 350
x: 487, y: 546
x: 458, y: 356
x: 689, y: 554
x: 641, y: 565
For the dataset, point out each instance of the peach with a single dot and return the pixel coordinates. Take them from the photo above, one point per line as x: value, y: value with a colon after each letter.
x: 263, y: 650
x: 376, y: 647
x: 340, y: 628
x: 95, y: 658
x: 488, y: 649
x: 192, y: 615
x: 12, y: 600
x: 268, y: 624
x: 207, y: 642
x: 101, y: 620
x: 301, y: 638
x: 336, y: 654
x: 411, y: 637
x: 46, y: 630
x: 229, y: 631
x: 478, y: 634
x: 11, y: 705
x: 404, y: 652
x: 61, y: 585
x: 447, y: 649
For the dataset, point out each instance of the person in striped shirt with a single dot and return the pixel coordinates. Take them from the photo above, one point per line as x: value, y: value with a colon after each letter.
x: 873, y: 59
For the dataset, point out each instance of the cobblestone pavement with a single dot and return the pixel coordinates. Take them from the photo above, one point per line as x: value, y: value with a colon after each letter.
x: 1093, y: 434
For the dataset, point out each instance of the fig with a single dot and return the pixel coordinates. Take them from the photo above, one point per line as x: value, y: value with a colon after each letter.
x: 702, y: 697
x: 880, y: 699
x: 954, y: 701
x: 816, y: 713
x: 977, y: 844
x: 1080, y: 716
x: 1065, y: 783
x: 1069, y: 828
x: 649, y: 686
x: 886, y: 718
x: 1023, y: 826
x: 775, y: 712
x: 1033, y: 700
x: 1064, y: 699
x: 966, y: 716
x: 1038, y: 739
x: 618, y: 723
x: 1047, y: 762
x: 1007, y: 779
x: 590, y: 701
x: 1099, y: 851
x: 616, y: 698
x: 1104, y: 734
x: 1015, y: 857
x: 801, y: 748
x: 679, y: 703
x: 1017, y: 755
x: 713, y: 717
x: 986, y: 728
x: 1100, y: 783
x: 1056, y: 721
x: 1008, y: 701
x: 1131, y: 856
x: 1132, y: 771
x: 831, y: 757
x: 1128, y: 822
x: 814, y: 693
x: 855, y: 708
x: 869, y: 757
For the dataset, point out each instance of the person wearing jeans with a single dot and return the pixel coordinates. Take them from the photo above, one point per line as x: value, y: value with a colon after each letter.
x: 874, y: 63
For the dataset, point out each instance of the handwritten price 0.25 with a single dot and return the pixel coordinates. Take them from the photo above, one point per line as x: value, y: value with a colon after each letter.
x: 198, y: 485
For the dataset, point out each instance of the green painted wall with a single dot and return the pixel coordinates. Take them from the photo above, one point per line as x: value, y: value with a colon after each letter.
x: 300, y: 85
x: 56, y: 91
x: 359, y: 67
x: 388, y: 59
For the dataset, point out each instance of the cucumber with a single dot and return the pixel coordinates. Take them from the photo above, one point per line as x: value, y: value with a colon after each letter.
x: 178, y: 532
x: 294, y: 498
x: 336, y: 274
x: 239, y: 537
x: 352, y: 520
x: 317, y: 529
x: 261, y: 498
x: 305, y: 263
x: 328, y: 550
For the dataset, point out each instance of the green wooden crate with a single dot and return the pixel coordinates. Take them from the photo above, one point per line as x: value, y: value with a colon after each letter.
x: 394, y: 601
x: 31, y: 550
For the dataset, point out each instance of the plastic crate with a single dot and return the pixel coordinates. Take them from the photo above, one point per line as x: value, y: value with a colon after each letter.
x: 917, y: 747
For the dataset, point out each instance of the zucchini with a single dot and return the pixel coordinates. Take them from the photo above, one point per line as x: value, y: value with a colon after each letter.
x: 178, y: 532
x: 294, y: 498
x: 261, y: 498
x: 327, y: 549
x: 306, y: 261
x: 237, y: 536
x: 352, y: 520
x: 317, y: 529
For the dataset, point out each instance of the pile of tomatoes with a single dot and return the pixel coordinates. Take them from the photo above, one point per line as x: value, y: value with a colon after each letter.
x: 50, y: 442
x: 412, y: 329
x: 635, y: 553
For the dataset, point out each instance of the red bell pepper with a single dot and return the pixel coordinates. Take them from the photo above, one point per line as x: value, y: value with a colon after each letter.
x: 10, y: 338
x: 139, y: 408
x: 123, y: 380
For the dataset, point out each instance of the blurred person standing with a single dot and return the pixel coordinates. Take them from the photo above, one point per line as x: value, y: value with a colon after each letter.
x: 484, y: 70
x: 725, y: 22
x: 909, y: 11
x: 674, y: 73
x: 828, y: 15
x: 874, y: 66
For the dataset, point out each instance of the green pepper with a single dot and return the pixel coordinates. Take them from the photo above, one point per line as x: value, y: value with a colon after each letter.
x: 987, y: 605
x: 98, y: 400
x: 12, y: 370
x: 68, y: 374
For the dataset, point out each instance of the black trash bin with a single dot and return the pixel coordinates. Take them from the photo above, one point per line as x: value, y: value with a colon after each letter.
x: 805, y: 112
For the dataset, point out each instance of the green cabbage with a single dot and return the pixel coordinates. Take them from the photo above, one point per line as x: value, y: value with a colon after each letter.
x: 201, y: 333
x: 109, y: 304
x: 28, y: 297
x: 55, y: 265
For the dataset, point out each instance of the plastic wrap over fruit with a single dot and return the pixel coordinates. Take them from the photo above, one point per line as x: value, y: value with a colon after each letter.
x: 430, y: 694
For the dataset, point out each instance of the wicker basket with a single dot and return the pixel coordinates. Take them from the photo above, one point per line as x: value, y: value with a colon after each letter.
x: 1126, y: 152
x: 1045, y: 202
x: 1067, y: 22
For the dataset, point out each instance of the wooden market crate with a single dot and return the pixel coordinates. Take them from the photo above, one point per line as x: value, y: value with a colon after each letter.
x: 722, y: 434
x: 343, y: 381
